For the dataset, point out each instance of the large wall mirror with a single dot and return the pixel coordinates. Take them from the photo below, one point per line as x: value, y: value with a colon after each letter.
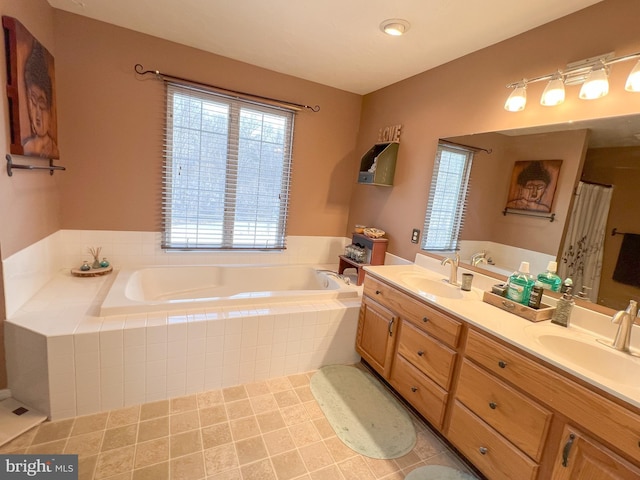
x: 602, y: 152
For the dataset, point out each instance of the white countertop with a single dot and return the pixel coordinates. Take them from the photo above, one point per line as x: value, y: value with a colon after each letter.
x: 521, y: 332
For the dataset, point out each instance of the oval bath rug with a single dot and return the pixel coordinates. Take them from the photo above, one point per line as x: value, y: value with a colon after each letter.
x: 364, y: 415
x: 437, y: 472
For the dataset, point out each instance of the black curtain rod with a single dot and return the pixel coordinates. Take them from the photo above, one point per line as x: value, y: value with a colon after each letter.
x: 615, y: 232
x: 141, y: 71
x: 607, y: 185
x: 477, y: 149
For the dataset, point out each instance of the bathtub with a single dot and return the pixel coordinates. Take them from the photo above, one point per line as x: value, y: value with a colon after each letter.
x: 171, y: 288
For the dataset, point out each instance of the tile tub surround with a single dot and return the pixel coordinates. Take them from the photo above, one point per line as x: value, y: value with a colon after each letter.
x: 267, y: 429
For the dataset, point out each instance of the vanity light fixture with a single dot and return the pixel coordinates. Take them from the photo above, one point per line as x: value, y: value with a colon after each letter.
x: 395, y: 27
x: 592, y: 73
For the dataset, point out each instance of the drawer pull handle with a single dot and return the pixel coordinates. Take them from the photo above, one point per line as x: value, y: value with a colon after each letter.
x: 508, y: 305
x: 420, y: 353
x: 483, y: 450
x: 567, y: 449
x: 391, y: 326
x: 493, y: 405
x: 378, y: 292
x: 502, y: 364
x: 414, y: 389
x: 425, y: 319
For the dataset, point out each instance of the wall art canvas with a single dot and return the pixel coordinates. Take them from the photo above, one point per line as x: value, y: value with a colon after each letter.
x: 30, y: 92
x: 533, y: 185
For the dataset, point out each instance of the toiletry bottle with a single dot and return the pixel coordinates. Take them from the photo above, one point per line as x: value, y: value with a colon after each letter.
x: 563, y: 309
x: 549, y: 279
x: 519, y: 284
x: 535, y: 297
x: 567, y: 284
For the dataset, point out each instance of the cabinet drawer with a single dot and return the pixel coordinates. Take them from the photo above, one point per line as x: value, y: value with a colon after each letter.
x: 428, y: 355
x: 487, y: 449
x: 522, y: 421
x: 428, y: 319
x: 426, y: 396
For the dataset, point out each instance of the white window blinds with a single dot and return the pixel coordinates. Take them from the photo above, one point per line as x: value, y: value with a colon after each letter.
x: 447, y: 198
x: 227, y: 171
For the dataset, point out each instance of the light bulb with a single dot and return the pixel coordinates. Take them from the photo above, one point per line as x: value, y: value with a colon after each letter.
x: 596, y: 85
x: 517, y: 100
x: 633, y: 80
x: 395, y: 27
x: 553, y: 93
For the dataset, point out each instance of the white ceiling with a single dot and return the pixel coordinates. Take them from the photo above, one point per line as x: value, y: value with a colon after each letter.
x: 333, y: 42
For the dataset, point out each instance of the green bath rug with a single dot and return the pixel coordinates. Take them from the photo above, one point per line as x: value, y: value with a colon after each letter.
x: 438, y: 472
x: 364, y: 415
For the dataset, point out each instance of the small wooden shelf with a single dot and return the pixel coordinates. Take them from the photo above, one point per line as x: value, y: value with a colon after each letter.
x: 94, y: 272
x: 377, y: 248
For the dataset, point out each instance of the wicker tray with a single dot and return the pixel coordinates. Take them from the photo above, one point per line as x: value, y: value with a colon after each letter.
x: 533, y: 315
x: 94, y: 272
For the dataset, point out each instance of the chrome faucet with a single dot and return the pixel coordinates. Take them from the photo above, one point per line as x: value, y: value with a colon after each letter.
x: 479, y: 258
x: 626, y: 319
x: 454, y: 262
x: 342, y: 277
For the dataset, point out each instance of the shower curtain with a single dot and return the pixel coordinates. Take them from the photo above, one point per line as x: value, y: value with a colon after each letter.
x: 581, y: 258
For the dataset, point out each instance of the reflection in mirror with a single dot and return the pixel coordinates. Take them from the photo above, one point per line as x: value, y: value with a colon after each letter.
x: 601, y: 152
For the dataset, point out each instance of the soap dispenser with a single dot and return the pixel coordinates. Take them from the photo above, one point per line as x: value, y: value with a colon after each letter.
x: 563, y: 309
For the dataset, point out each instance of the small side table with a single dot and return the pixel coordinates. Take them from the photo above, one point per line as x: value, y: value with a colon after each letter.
x: 376, y: 247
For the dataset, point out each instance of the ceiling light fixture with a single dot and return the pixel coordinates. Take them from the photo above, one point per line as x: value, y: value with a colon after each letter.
x: 395, y: 27
x: 592, y: 73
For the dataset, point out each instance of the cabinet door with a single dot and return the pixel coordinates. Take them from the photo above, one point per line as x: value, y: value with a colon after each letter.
x: 582, y: 458
x: 376, y: 335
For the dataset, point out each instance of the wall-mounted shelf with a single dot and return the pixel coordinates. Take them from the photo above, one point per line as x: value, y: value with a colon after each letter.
x: 378, y: 165
x: 51, y: 167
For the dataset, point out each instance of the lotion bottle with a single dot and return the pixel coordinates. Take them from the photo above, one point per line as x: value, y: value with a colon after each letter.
x: 519, y: 284
x: 549, y: 279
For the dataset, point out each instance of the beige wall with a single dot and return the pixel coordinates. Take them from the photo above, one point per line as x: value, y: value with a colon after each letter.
x: 467, y: 96
x: 29, y: 201
x: 111, y: 125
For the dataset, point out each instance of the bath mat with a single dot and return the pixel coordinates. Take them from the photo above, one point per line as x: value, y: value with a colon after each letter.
x: 437, y: 472
x: 364, y: 415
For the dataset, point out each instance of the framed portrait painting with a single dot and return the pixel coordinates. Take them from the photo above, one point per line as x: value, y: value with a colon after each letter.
x: 31, y: 93
x: 533, y: 185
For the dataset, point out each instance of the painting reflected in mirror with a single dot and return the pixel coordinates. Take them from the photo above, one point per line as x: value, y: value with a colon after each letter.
x: 599, y: 175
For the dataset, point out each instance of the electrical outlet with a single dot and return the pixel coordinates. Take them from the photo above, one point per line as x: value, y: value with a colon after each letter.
x: 415, y: 235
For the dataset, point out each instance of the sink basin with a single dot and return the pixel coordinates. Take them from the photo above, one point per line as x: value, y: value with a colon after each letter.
x: 590, y: 355
x: 429, y: 287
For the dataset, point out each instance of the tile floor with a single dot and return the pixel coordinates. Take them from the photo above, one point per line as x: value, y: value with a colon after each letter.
x: 271, y: 430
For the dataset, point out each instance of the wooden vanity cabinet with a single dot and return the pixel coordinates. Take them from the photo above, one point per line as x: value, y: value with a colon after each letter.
x: 376, y: 335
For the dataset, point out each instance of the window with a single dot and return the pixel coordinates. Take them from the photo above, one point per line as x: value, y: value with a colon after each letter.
x: 227, y: 172
x: 447, y: 198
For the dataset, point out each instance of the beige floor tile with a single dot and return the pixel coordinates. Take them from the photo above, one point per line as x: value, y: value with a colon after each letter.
x: 338, y: 450
x: 314, y: 410
x: 185, y: 443
x: 213, y: 414
x: 183, y: 404
x: 251, y: 450
x: 233, y: 474
x: 316, y: 456
x: 324, y: 427
x: 304, y: 394
x: 84, y: 445
x: 123, y: 416
x: 278, y: 441
x: 257, y: 389
x: 183, y: 422
x: 286, y: 398
x: 295, y: 414
x: 244, y: 428
x: 260, y: 470
x: 115, y: 462
x: 279, y: 384
x: 304, y: 433
x: 288, y: 465
x: 216, y: 435
x: 233, y: 394
x: 189, y: 467
x: 329, y: 473
x: 264, y: 403
x: 21, y: 442
x: 50, y: 431
x: 355, y: 468
x: 159, y: 471
x: 299, y: 380
x: 86, y: 467
x: 220, y: 459
x: 382, y: 467
x: 427, y: 445
x: 55, y: 447
x: 407, y: 460
x: 239, y: 409
x: 210, y: 398
x: 150, y: 429
x: 270, y: 421
x: 90, y: 423
x: 154, y: 410
x: 119, y: 437
x: 120, y: 476
x: 151, y: 452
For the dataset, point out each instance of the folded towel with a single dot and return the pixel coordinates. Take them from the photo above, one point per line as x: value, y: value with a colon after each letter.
x: 628, y: 266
